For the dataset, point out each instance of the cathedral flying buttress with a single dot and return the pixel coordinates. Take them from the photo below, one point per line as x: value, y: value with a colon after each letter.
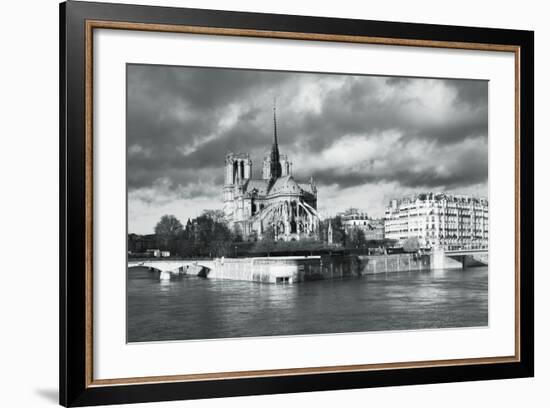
x: 276, y: 204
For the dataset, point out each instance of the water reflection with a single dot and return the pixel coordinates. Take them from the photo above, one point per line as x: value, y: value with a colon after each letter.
x: 195, y: 308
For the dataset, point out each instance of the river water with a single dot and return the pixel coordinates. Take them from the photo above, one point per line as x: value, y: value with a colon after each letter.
x: 195, y: 308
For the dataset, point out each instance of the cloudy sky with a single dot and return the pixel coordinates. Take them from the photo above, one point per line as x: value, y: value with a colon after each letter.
x: 365, y: 139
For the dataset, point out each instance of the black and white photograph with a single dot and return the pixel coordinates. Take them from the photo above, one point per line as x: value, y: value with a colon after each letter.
x: 270, y: 203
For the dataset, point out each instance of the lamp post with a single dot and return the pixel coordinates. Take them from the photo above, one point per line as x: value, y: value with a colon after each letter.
x: 235, y: 251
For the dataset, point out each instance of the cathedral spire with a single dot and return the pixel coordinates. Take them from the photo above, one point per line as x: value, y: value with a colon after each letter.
x: 275, y: 142
x: 275, y: 165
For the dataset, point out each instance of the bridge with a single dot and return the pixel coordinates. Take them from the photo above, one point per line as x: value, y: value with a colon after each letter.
x: 459, y: 258
x: 168, y: 268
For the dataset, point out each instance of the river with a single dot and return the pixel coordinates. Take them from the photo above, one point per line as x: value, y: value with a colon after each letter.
x: 195, y: 308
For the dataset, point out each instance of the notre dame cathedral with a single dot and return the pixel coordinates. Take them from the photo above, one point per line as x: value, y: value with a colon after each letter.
x: 276, y: 201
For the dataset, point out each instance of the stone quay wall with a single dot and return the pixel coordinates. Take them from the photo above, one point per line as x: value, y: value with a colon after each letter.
x: 267, y: 270
x: 371, y: 265
x: 302, y: 269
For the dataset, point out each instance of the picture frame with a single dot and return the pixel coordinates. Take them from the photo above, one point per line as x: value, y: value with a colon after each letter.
x: 79, y: 21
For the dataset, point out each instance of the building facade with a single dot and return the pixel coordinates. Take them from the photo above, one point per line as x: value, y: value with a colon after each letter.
x: 439, y: 221
x: 353, y: 218
x: 276, y: 204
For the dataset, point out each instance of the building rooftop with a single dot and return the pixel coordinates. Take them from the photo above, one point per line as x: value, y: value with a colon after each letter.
x: 439, y: 197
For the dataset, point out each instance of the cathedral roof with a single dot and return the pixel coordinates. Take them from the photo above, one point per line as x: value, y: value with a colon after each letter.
x: 281, y: 185
x: 260, y: 186
x: 285, y: 185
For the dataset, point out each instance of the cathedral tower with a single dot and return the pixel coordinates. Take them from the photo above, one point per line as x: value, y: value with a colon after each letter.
x: 238, y: 169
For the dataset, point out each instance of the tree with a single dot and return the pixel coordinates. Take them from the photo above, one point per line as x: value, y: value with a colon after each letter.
x: 237, y: 233
x: 411, y: 245
x: 338, y: 231
x: 210, y: 238
x: 269, y: 234
x: 357, y: 239
x: 168, y: 227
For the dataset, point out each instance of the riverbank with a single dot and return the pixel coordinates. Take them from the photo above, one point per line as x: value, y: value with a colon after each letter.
x: 289, y: 269
x: 293, y: 269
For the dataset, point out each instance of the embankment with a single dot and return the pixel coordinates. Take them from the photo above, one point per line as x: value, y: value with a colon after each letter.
x: 301, y: 269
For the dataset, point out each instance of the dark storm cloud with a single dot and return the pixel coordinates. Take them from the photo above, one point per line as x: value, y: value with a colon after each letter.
x: 356, y: 109
x: 172, y: 110
x: 182, y: 121
x: 465, y: 166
